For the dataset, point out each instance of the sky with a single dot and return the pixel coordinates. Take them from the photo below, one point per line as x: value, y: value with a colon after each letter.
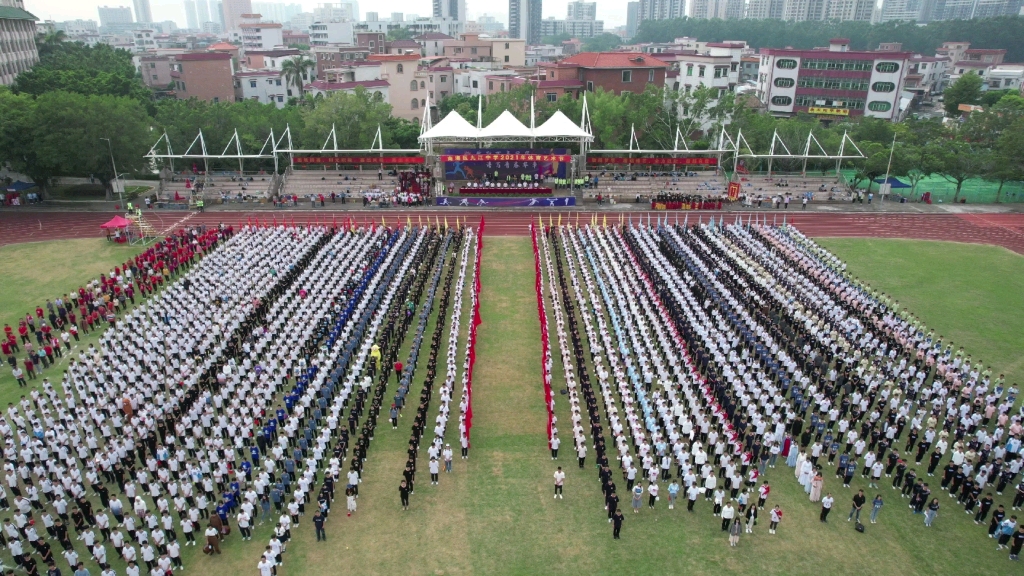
x: 613, y: 12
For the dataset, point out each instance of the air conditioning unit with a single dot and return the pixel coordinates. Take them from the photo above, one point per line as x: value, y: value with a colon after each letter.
x: 819, y: 102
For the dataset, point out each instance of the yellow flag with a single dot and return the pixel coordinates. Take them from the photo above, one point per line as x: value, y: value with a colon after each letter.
x: 577, y: 219
x: 605, y: 224
x: 408, y: 221
x: 550, y: 221
x: 559, y: 219
x: 419, y: 220
x: 593, y: 219
x: 446, y: 223
x: 437, y: 222
x: 382, y: 222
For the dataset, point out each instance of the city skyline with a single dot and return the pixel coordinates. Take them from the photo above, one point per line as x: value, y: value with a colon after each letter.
x: 613, y: 12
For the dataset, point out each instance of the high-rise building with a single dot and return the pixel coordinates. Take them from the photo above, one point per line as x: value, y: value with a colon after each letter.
x: 203, y: 12
x: 803, y: 10
x: 276, y: 11
x: 579, y: 10
x: 143, y: 13
x: 397, y: 17
x: 850, y: 10
x: 632, y: 18
x: 524, y: 20
x: 902, y: 10
x: 765, y: 9
x: 372, y: 17
x: 722, y: 9
x: 114, y: 15
x: 455, y: 9
x: 191, y: 16
x: 233, y: 10
x: 661, y: 10
x: 19, y: 34
x: 336, y: 12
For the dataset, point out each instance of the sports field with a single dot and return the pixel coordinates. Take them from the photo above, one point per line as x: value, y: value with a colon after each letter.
x: 495, y: 513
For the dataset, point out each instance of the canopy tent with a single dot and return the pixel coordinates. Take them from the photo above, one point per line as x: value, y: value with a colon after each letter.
x: 506, y: 126
x: 893, y: 182
x: 18, y: 186
x: 452, y: 128
x: 559, y: 126
x: 116, y: 222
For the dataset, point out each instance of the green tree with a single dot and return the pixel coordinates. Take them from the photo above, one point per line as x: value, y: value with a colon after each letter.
x: 463, y: 103
x: 966, y: 90
x: 297, y: 71
x: 1005, y: 163
x: 555, y: 40
x: 355, y: 115
x: 602, y: 43
x: 61, y: 135
x: 958, y: 161
x: 75, y: 67
x: 400, y: 34
x: 400, y: 133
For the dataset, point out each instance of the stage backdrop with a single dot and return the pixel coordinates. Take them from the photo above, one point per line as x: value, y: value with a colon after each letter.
x: 470, y: 164
x: 545, y: 202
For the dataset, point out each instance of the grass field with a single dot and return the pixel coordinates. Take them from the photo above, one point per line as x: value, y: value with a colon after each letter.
x: 495, y: 513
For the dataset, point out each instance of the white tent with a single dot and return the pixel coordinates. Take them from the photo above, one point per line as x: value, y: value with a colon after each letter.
x: 505, y: 126
x: 558, y: 127
x: 452, y: 128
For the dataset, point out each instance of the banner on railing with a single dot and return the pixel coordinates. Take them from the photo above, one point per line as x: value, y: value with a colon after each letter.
x: 686, y: 161
x: 471, y: 202
x: 359, y: 160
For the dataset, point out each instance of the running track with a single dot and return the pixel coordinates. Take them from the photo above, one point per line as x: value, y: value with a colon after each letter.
x: 1005, y: 230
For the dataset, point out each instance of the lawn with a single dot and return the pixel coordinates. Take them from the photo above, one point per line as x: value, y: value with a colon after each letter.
x: 495, y: 514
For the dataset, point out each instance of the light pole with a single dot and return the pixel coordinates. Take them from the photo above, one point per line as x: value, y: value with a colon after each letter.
x: 111, y: 148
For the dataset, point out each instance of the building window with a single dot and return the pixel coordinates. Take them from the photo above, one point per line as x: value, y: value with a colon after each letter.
x: 252, y: 83
x: 786, y: 64
x: 401, y: 69
x: 552, y: 97
x: 277, y: 82
x: 879, y: 106
x: 280, y: 98
x: 415, y: 103
x: 216, y: 99
x: 883, y: 86
x: 423, y: 102
x: 784, y: 82
x: 626, y: 92
x: 700, y: 71
x: 689, y: 69
x: 475, y: 84
x: 887, y: 67
x: 152, y: 65
x: 590, y: 86
x: 506, y: 45
x: 506, y: 58
x: 472, y: 50
x: 154, y: 77
x: 371, y: 44
x: 650, y: 75
x: 490, y: 85
x: 444, y: 78
x: 627, y: 75
x: 413, y: 86
x: 782, y: 101
x: 423, y: 84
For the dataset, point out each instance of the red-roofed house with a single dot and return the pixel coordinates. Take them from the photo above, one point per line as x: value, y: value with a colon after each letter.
x: 617, y: 72
x: 204, y: 75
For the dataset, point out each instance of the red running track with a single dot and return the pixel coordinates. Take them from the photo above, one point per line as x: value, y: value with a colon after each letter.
x: 1006, y: 230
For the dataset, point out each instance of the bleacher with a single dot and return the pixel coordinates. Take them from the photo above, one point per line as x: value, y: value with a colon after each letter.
x: 302, y: 183
x: 218, y: 187
x: 794, y: 185
x: 704, y: 183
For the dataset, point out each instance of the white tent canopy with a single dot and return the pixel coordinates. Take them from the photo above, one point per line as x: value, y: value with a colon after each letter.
x: 559, y: 126
x: 506, y: 125
x: 452, y: 127
x: 504, y: 128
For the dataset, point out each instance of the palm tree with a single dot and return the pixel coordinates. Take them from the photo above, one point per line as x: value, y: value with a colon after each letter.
x: 297, y: 70
x: 49, y: 42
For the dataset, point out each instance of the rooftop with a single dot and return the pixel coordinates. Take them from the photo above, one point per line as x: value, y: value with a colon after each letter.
x: 12, y: 13
x: 433, y: 36
x: 394, y: 57
x: 201, y: 56
x: 327, y: 86
x: 614, y: 60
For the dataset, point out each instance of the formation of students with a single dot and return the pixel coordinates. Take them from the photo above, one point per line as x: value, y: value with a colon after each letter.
x: 219, y: 400
x: 717, y: 350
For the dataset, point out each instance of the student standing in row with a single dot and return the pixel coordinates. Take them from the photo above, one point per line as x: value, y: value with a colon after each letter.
x: 559, y: 481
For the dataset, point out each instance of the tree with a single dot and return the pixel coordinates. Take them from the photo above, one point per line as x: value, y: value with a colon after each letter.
x: 49, y: 42
x: 400, y: 133
x: 60, y: 134
x: 296, y: 71
x: 966, y: 90
x: 876, y: 160
x: 1005, y: 163
x: 958, y: 161
x: 75, y: 67
x: 354, y: 115
x: 602, y: 43
x: 555, y: 40
x: 463, y: 103
x: 400, y: 34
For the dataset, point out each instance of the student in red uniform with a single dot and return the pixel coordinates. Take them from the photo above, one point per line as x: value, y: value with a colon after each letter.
x: 30, y: 369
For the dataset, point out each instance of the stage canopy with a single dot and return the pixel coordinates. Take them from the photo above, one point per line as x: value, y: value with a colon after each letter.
x: 504, y: 128
x: 894, y: 183
x: 116, y: 222
x: 559, y: 126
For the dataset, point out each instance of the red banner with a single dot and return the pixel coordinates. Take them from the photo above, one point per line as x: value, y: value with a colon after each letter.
x: 545, y: 346
x: 702, y: 205
x: 734, y: 190
x: 686, y: 161
x: 506, y: 158
x: 359, y: 160
x: 474, y: 322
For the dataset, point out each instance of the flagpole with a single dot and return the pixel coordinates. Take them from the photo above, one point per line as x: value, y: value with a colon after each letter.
x: 887, y: 168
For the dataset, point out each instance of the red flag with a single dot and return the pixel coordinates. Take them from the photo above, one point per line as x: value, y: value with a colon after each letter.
x: 275, y: 221
x: 334, y: 221
x: 248, y: 220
